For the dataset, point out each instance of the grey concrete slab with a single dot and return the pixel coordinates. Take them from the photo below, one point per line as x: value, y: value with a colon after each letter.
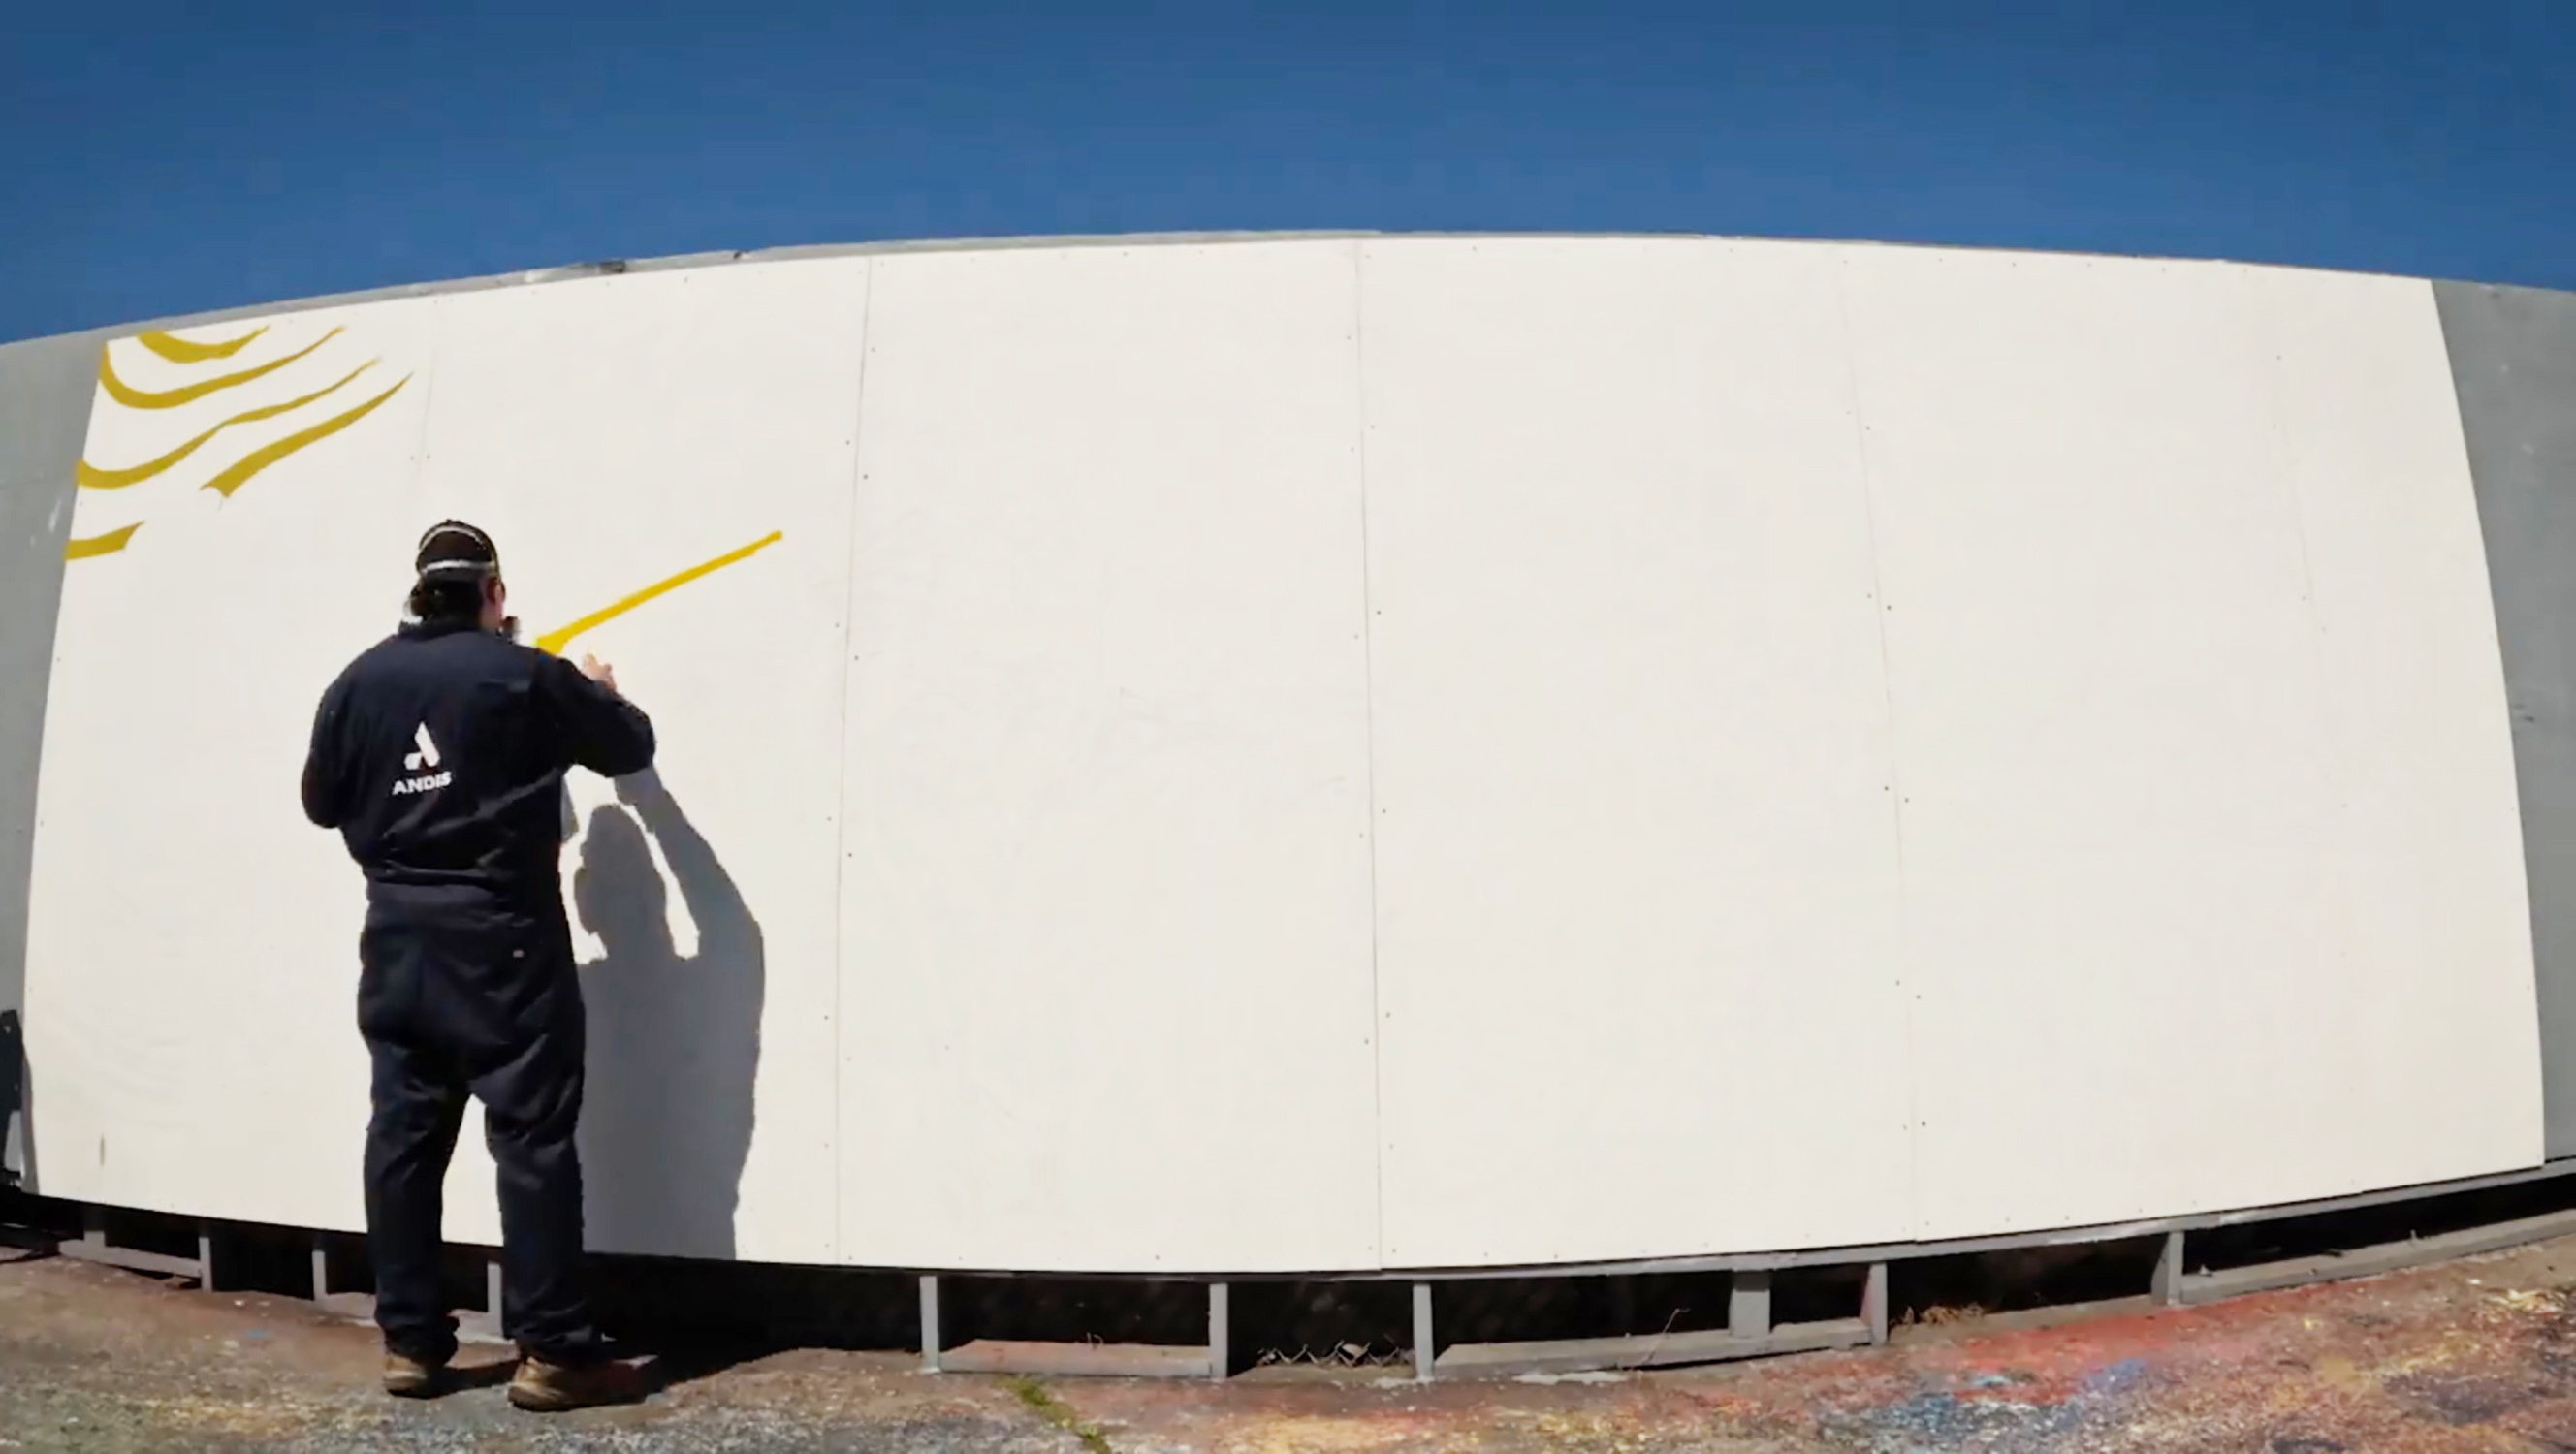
x: 45, y: 389
x: 2513, y: 361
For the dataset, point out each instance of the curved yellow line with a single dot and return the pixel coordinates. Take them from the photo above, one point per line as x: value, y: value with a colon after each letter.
x: 268, y: 454
x: 108, y: 544
x: 91, y: 477
x: 180, y: 350
x: 134, y: 398
x: 553, y: 642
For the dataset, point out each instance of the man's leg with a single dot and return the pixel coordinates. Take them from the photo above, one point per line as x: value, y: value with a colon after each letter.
x: 419, y: 1103
x: 531, y: 1107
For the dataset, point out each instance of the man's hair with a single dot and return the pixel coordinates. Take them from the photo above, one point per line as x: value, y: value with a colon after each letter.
x: 445, y: 601
x: 454, y: 564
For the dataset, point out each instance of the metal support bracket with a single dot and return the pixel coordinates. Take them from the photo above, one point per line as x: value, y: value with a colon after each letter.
x: 2167, y: 1287
x: 1220, y: 1333
x: 930, y: 1344
x: 1748, y: 1306
x: 1424, y: 1349
x: 1873, y: 1302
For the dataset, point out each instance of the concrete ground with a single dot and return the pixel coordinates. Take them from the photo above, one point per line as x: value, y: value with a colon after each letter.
x: 2477, y: 1355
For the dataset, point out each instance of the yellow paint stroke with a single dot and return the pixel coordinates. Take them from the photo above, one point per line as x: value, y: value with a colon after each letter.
x: 180, y: 350
x: 134, y: 398
x: 108, y: 544
x: 553, y: 642
x: 91, y: 477
x: 268, y: 454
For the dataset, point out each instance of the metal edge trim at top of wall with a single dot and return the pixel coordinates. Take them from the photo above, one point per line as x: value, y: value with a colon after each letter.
x: 810, y: 252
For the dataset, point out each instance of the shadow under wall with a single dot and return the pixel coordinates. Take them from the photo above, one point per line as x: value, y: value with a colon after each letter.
x: 674, y: 1043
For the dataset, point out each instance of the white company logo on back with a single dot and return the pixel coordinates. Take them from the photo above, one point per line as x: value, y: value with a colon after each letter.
x: 424, y: 762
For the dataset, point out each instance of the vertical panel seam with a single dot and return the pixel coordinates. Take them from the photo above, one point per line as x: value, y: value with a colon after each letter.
x: 428, y: 391
x: 2336, y: 754
x: 1369, y: 809
x: 1906, y: 994
x: 841, y: 786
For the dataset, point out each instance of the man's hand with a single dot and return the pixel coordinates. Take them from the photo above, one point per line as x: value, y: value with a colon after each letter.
x: 600, y: 672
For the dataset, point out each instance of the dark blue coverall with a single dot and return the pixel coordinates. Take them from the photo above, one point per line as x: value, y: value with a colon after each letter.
x: 439, y: 755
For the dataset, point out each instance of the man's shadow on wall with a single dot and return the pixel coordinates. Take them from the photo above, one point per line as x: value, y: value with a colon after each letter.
x: 674, y: 1044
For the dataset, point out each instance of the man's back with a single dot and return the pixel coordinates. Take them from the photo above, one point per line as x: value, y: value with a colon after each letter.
x: 439, y: 754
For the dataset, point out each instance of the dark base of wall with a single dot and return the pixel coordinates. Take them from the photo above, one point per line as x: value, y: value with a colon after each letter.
x: 703, y: 1315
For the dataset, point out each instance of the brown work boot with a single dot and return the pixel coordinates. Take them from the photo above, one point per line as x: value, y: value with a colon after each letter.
x: 409, y: 1377
x: 547, y: 1388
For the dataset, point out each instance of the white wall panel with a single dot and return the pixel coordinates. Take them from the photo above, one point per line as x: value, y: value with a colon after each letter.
x: 2433, y: 999
x: 1105, y: 912
x: 1637, y: 894
x: 192, y: 941
x: 1324, y: 755
x: 611, y: 434
x: 2127, y: 886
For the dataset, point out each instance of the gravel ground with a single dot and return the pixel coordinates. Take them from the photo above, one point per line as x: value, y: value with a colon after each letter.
x: 2477, y: 1355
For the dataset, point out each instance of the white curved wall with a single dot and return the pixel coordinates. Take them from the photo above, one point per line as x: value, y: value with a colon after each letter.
x: 1330, y: 755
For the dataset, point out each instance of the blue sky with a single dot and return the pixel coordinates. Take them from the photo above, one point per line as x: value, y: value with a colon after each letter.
x: 162, y: 158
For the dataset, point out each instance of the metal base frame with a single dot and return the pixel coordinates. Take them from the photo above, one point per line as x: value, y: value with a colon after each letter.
x: 1749, y: 1331
x: 1081, y: 1360
x: 92, y: 1246
x: 473, y: 1325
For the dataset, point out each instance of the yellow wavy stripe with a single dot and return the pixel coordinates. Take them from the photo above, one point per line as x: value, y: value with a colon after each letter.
x: 108, y: 544
x: 553, y: 642
x: 134, y: 398
x: 180, y: 350
x: 268, y: 454
x: 91, y: 477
